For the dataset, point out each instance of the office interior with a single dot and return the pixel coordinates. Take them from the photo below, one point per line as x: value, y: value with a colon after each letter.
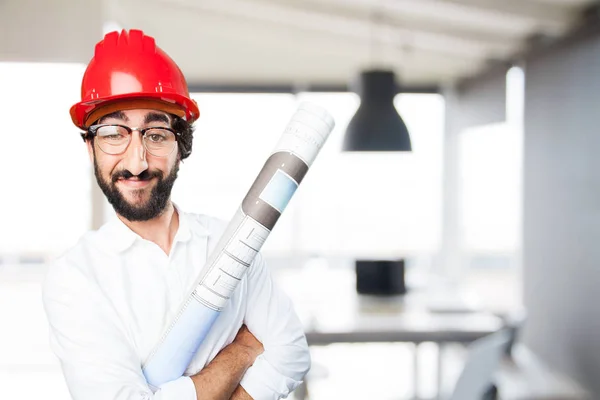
x: 463, y: 268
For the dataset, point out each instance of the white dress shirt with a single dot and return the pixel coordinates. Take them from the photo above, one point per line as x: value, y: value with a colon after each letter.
x: 110, y: 298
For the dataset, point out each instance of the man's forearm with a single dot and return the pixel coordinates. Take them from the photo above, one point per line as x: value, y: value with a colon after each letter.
x: 240, y: 394
x: 221, y: 377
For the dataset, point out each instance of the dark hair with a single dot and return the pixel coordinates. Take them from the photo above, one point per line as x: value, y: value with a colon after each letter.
x: 185, y: 138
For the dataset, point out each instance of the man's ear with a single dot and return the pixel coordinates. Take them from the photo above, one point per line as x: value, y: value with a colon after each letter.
x: 90, y: 147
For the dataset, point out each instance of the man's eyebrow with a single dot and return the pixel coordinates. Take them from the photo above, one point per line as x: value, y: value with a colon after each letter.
x: 115, y: 115
x: 156, y: 117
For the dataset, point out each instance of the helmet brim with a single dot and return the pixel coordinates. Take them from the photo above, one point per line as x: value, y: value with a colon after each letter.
x: 168, y: 102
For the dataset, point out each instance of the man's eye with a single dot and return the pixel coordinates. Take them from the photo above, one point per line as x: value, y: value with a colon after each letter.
x: 156, y: 138
x: 113, y: 137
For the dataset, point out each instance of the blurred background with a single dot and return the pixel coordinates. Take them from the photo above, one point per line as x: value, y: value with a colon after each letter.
x: 461, y: 265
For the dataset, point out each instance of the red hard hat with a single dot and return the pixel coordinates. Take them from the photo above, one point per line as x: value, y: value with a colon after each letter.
x: 129, y: 71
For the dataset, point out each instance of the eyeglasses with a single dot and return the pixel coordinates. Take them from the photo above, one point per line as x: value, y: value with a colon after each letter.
x: 114, y: 139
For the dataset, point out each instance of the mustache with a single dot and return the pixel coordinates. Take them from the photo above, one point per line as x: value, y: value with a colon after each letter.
x: 144, y: 176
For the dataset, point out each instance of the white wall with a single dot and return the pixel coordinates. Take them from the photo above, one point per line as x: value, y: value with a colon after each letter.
x: 561, y: 253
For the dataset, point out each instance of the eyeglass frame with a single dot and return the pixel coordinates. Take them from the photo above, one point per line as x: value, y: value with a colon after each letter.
x: 92, y: 130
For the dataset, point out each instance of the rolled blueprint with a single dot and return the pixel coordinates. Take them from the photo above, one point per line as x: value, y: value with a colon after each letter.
x: 246, y: 233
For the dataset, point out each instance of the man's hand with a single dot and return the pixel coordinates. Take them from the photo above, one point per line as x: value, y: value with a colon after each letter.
x: 222, y: 376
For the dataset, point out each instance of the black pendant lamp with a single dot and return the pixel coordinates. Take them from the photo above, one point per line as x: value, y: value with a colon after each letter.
x: 377, y: 126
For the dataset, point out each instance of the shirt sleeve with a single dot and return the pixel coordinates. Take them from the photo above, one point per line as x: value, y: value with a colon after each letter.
x: 97, y: 359
x: 270, y: 316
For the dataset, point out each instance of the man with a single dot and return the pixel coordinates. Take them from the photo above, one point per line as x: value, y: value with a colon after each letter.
x: 111, y: 297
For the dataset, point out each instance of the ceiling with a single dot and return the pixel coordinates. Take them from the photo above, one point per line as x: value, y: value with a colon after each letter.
x: 295, y: 43
x: 312, y: 42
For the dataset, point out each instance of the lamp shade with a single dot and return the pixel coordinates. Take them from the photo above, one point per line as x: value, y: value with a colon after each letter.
x: 377, y: 126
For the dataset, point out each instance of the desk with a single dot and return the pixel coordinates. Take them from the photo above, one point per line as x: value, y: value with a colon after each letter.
x: 414, y: 327
x: 406, y: 327
x: 332, y: 312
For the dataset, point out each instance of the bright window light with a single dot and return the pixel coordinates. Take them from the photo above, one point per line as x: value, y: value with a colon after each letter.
x: 45, y: 202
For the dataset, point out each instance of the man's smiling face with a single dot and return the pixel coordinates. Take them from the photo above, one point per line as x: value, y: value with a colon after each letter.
x: 137, y: 183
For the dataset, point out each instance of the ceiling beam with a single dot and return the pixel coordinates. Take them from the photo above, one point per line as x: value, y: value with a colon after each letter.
x: 364, y: 10
x: 553, y: 18
x: 359, y: 29
x: 216, y: 43
x: 588, y: 27
x: 585, y: 24
x: 509, y: 17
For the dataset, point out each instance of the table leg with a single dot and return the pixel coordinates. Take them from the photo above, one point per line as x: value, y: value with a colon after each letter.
x: 416, y: 372
x: 440, y: 371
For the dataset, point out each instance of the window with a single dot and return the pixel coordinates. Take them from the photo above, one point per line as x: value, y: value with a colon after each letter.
x: 46, y: 176
x: 490, y: 211
x: 490, y: 167
x: 490, y: 172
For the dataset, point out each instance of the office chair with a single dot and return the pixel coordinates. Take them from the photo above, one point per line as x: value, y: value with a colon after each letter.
x: 484, y: 357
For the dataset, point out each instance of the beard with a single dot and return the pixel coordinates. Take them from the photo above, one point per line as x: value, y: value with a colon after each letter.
x: 153, y: 207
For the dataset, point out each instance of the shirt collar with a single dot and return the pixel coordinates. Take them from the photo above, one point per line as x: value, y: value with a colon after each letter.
x: 184, y: 232
x: 119, y: 237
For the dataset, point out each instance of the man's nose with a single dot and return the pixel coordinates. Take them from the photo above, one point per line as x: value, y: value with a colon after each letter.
x: 135, y: 156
